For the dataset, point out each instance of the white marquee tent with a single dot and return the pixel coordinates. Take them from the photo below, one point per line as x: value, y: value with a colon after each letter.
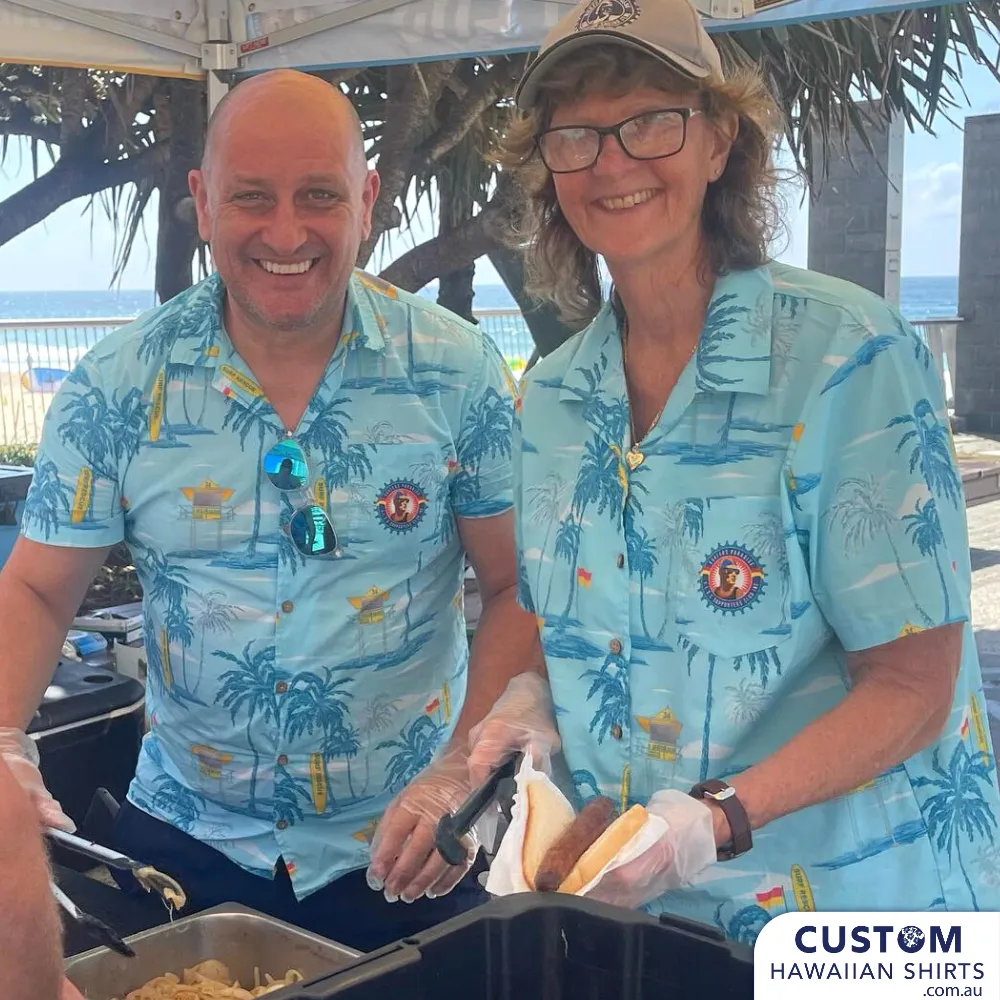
x: 193, y: 37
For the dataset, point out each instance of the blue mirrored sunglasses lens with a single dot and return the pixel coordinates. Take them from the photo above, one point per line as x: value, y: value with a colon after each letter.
x: 312, y: 532
x: 286, y: 466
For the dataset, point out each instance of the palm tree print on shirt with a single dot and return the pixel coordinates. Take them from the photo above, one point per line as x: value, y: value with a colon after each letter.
x: 320, y: 703
x: 213, y: 615
x: 768, y: 539
x: 611, y: 682
x: 250, y: 686
x: 327, y: 434
x: 486, y: 434
x: 47, y: 500
x: 546, y: 503
x: 924, y: 529
x: 167, y: 586
x: 959, y: 808
x: 863, y: 513
x: 683, y: 527
x: 244, y: 418
x: 415, y: 748
x: 104, y: 431
x: 931, y: 450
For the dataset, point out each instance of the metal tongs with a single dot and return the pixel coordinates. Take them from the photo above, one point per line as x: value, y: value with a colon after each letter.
x: 452, y: 827
x: 168, y: 889
x: 97, y: 929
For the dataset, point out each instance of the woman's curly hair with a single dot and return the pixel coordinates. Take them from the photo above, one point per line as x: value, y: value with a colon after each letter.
x: 741, y: 215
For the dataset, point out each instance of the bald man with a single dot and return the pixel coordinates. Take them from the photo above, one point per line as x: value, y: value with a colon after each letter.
x: 250, y: 440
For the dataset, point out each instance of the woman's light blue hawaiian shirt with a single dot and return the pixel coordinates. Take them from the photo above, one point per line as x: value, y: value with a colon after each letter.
x: 798, y: 497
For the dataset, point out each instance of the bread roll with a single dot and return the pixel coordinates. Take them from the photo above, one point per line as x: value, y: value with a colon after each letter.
x: 605, y: 848
x: 549, y: 814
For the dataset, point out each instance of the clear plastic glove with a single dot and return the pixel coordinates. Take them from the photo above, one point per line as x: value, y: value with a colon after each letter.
x: 687, y: 848
x: 405, y: 864
x: 522, y: 719
x: 20, y: 754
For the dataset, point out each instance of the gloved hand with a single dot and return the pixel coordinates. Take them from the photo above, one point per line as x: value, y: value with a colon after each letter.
x: 687, y: 847
x: 404, y: 861
x: 20, y: 754
x: 521, y: 719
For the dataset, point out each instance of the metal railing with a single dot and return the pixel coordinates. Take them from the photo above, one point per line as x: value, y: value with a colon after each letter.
x: 36, y: 355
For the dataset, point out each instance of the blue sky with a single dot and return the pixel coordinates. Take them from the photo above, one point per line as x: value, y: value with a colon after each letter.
x: 74, y: 249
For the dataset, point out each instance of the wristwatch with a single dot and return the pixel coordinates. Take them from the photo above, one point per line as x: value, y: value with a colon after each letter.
x: 739, y: 823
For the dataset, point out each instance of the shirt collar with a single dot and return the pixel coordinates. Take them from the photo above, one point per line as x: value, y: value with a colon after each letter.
x: 734, y: 350
x: 198, y: 332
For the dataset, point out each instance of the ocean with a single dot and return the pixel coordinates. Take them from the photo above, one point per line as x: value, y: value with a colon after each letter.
x: 47, y: 352
x: 921, y: 298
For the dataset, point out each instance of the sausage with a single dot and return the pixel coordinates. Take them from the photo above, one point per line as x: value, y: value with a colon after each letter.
x: 594, y: 818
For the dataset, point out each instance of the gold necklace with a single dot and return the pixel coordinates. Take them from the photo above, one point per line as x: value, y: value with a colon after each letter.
x: 634, y: 456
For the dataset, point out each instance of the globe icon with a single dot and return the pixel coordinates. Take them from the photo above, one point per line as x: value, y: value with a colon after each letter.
x: 910, y: 939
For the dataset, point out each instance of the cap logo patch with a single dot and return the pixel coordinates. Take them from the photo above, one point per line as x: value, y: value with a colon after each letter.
x: 607, y: 14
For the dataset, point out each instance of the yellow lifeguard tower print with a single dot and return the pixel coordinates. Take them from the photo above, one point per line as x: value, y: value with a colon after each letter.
x: 211, y: 761
x: 664, y: 733
x: 208, y: 507
x: 371, y: 611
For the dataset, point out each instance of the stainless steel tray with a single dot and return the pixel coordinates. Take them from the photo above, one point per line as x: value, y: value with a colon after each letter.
x: 234, y: 934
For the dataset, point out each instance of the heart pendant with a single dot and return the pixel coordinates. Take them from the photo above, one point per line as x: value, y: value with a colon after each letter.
x: 634, y: 458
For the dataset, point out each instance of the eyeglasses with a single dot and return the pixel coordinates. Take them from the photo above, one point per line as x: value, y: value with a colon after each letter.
x: 310, y: 528
x: 652, y: 135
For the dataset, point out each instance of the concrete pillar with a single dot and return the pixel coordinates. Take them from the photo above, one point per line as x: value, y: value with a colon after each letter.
x: 856, y: 216
x: 977, y: 363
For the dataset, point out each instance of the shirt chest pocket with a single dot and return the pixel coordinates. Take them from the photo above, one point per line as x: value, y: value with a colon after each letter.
x: 404, y: 496
x: 731, y: 596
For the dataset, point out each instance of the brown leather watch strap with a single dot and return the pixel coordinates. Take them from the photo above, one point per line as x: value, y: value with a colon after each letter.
x: 724, y: 796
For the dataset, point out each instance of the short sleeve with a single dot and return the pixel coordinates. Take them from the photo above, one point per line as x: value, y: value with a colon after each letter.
x: 74, y: 498
x: 482, y: 485
x: 875, y: 490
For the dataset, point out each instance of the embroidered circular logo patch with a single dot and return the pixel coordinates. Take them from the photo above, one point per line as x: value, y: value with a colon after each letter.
x: 608, y: 14
x: 401, y: 505
x: 731, y: 579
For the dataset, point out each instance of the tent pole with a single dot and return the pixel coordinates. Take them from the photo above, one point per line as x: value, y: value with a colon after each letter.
x: 894, y: 209
x: 216, y: 90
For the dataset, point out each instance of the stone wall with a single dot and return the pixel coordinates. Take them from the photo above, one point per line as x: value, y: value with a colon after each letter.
x: 977, y: 368
x: 855, y: 216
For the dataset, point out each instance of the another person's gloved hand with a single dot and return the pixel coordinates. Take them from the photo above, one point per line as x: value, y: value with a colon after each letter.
x: 20, y: 754
x: 687, y: 847
x: 404, y: 861
x: 522, y: 719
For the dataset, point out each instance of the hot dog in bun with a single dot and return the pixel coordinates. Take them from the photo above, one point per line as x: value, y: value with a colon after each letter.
x: 562, y: 852
x: 549, y: 814
x: 602, y: 850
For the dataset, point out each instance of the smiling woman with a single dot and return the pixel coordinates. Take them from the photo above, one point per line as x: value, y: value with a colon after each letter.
x: 759, y: 500
x: 554, y: 148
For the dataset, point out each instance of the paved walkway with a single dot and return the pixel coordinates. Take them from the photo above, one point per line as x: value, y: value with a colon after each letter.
x: 984, y: 547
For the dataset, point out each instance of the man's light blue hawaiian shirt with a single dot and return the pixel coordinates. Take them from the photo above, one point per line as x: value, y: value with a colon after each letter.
x: 289, y: 698
x: 798, y: 497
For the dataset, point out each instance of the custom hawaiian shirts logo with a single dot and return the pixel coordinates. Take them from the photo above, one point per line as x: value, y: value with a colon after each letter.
x: 608, y: 14
x: 401, y: 505
x: 732, y: 578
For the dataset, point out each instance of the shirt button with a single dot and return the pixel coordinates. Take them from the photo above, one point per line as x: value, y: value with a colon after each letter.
x: 615, y: 646
x: 282, y: 760
x: 287, y: 607
x: 616, y: 731
x: 620, y: 560
x: 281, y: 687
x: 282, y: 824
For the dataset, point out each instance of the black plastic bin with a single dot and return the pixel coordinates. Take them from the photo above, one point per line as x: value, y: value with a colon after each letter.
x: 534, y: 947
x: 88, y: 730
